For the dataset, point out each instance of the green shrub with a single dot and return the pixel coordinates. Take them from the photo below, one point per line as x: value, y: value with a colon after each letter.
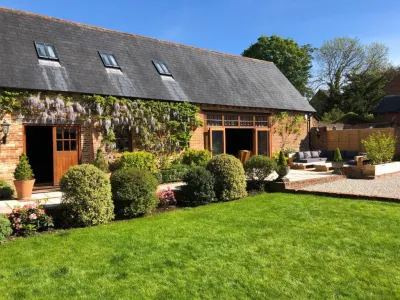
x: 174, y: 174
x: 259, y: 167
x: 86, y: 196
x: 101, y: 162
x: 230, y: 180
x: 282, y: 160
x: 380, y: 147
x: 23, y: 171
x: 192, y: 157
x: 5, y: 228
x: 138, y: 159
x: 198, y: 188
x: 337, y: 156
x: 134, y: 191
x: 6, y: 191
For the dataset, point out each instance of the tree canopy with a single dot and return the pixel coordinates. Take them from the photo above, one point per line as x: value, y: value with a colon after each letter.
x: 293, y: 60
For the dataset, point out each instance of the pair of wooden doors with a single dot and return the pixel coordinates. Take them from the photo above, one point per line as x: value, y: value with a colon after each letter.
x: 217, y: 141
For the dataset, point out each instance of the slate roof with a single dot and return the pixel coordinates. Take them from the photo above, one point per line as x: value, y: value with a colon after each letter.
x: 389, y: 104
x: 201, y: 76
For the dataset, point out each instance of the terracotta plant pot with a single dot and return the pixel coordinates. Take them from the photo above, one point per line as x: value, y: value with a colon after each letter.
x: 24, y: 189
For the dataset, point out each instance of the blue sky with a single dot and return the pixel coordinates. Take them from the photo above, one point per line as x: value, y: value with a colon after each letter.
x: 232, y: 25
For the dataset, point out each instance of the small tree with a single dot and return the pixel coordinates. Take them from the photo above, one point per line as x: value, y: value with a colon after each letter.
x: 337, y: 157
x: 287, y: 127
x: 101, y: 162
x: 380, y: 147
x: 23, y: 171
x: 282, y: 160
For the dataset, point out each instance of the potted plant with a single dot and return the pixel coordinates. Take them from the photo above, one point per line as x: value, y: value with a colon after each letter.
x: 101, y: 162
x: 24, y: 178
x: 283, y: 167
x: 337, y: 162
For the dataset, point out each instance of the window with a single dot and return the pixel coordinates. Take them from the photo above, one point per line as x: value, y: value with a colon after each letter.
x: 46, y: 51
x: 162, y: 68
x: 234, y: 120
x: 109, y: 60
x: 123, y: 140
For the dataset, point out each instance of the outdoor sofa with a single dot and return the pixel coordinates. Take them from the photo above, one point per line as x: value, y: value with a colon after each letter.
x: 324, y: 156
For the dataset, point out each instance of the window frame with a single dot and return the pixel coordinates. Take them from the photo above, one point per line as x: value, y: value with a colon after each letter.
x: 165, y: 71
x: 108, y: 55
x: 45, y: 45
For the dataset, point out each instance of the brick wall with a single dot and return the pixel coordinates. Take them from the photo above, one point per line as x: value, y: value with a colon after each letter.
x: 10, y: 152
x: 393, y: 88
x: 197, y: 140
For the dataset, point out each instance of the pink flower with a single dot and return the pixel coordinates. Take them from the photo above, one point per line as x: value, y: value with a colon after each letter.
x: 32, y: 216
x: 41, y: 212
x: 17, y: 220
x: 18, y: 226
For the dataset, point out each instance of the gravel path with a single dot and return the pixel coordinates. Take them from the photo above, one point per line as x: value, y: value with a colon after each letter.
x: 382, y: 187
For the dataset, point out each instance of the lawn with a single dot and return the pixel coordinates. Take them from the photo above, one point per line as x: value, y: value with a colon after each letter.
x: 264, y: 247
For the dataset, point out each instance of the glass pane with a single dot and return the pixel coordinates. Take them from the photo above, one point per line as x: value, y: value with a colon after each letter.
x: 73, y: 145
x: 159, y: 68
x: 105, y: 59
x: 41, y: 51
x: 59, y: 133
x: 50, y: 51
x: 112, y: 60
x: 214, y: 120
x: 66, y: 145
x: 231, y: 121
x: 246, y: 120
x: 66, y: 134
x: 262, y: 143
x: 217, y: 142
x: 59, y: 146
x: 165, y: 69
x: 261, y: 121
x: 72, y: 133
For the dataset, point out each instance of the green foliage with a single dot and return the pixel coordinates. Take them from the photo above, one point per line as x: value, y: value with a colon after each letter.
x: 332, y: 116
x: 5, y: 228
x: 192, y: 157
x: 282, y: 160
x: 287, y: 126
x: 10, y: 102
x: 380, y: 147
x: 353, y: 118
x: 109, y: 139
x: 293, y: 60
x: 6, y: 191
x: 174, y: 174
x: 230, y: 180
x: 354, y: 74
x: 23, y: 171
x: 134, y: 191
x: 86, y: 196
x: 259, y: 167
x: 337, y: 156
x: 138, y: 159
x: 101, y: 162
x: 198, y: 188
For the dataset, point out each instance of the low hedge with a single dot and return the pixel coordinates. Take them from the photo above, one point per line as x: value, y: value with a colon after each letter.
x: 5, y: 228
x: 173, y: 174
x: 6, y: 191
x: 139, y: 160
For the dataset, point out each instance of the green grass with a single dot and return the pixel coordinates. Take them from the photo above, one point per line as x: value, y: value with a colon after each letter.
x: 265, y: 247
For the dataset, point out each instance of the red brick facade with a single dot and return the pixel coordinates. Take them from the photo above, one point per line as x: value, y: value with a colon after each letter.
x: 393, y: 87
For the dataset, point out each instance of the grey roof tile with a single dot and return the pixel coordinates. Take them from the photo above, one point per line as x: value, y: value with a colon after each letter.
x: 201, y: 76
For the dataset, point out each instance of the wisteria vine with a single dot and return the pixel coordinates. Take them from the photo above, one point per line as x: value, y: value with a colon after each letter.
x: 158, y: 126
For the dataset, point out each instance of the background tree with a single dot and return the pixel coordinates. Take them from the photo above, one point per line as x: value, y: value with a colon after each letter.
x: 343, y: 62
x: 293, y: 60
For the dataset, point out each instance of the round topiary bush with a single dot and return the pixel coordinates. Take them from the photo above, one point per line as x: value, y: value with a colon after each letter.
x: 194, y: 157
x: 139, y: 160
x: 5, y: 228
x: 258, y: 168
x: 230, y: 180
x: 198, y: 188
x: 6, y: 191
x: 86, y: 196
x: 134, y: 191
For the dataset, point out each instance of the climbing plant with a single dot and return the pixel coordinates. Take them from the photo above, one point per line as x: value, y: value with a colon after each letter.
x: 158, y: 126
x: 287, y: 127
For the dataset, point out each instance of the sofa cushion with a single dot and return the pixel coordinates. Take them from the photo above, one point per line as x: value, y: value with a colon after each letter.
x: 315, y: 154
x: 350, y: 154
x: 312, y: 160
x: 326, y: 153
x: 307, y: 154
x: 299, y: 155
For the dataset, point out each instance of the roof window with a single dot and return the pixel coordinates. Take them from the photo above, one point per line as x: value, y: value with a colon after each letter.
x: 162, y: 68
x: 109, y: 60
x: 46, y: 51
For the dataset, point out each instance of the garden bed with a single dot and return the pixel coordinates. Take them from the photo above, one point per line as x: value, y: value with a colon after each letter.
x: 381, y: 170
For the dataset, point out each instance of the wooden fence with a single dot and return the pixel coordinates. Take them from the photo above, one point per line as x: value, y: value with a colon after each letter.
x: 350, y: 139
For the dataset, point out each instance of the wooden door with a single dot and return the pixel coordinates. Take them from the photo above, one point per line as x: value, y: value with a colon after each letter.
x: 261, y: 142
x: 217, y: 141
x: 65, y: 150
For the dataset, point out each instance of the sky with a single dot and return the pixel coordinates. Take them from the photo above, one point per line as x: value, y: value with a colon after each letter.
x: 232, y: 25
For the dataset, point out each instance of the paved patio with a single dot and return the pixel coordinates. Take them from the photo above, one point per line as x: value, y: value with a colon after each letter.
x: 387, y: 187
